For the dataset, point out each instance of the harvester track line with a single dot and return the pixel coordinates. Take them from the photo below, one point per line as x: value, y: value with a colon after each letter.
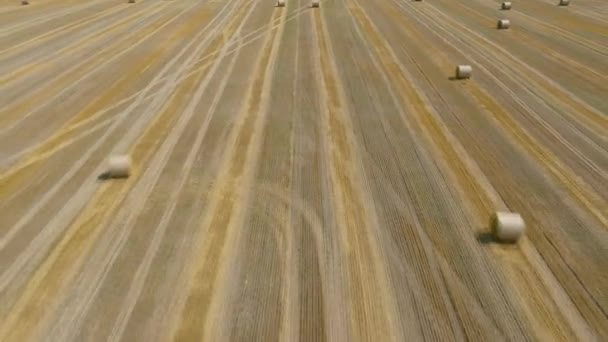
x: 574, y: 287
x: 362, y: 22
x: 241, y: 151
x: 526, y: 36
x: 24, y: 25
x: 356, y: 222
x: 533, y: 114
x: 64, y: 82
x: 7, y: 178
x: 64, y: 144
x: 311, y: 200
x: 492, y: 198
x: 143, y: 189
x: 142, y: 271
x: 82, y: 43
x: 48, y: 261
x: 240, y: 168
x: 598, y: 19
x: 392, y: 67
x: 290, y: 322
x: 83, y: 191
x: 14, y: 178
x: 245, y: 40
x: 25, y: 163
x: 61, y: 31
x: 586, y: 197
x: 593, y: 116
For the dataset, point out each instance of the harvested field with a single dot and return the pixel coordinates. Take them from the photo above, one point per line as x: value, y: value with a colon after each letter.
x: 298, y: 173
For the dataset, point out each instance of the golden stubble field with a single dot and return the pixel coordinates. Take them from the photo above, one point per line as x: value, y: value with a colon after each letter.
x: 302, y: 174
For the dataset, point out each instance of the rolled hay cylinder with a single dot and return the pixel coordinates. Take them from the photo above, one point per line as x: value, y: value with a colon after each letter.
x: 507, y: 227
x: 503, y: 24
x: 25, y: 2
x: 315, y: 3
x: 564, y: 2
x: 131, y: 1
x: 506, y: 5
x: 281, y: 3
x: 463, y: 71
x: 119, y: 166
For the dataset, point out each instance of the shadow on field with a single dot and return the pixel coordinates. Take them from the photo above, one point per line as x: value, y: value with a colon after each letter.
x: 104, y: 176
x: 486, y: 237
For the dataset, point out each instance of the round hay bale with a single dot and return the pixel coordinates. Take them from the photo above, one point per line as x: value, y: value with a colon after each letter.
x: 506, y: 5
x: 503, y: 24
x: 119, y: 166
x: 315, y: 3
x: 564, y: 2
x: 463, y: 71
x: 281, y: 3
x: 507, y: 227
x: 131, y: 1
x: 25, y: 2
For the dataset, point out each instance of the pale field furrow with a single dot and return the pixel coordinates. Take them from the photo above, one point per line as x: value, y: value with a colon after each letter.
x: 536, y: 198
x: 587, y: 195
x: 12, y: 11
x: 151, y: 61
x: 159, y: 210
x: 267, y: 219
x: 74, y: 90
x: 299, y: 173
x: 158, y: 127
x: 555, y: 132
x: 310, y: 210
x: 28, y: 75
x: 140, y: 246
x: 37, y: 25
x: 435, y: 212
x: 585, y: 14
x: 373, y: 122
x: 581, y: 73
x: 204, y: 306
